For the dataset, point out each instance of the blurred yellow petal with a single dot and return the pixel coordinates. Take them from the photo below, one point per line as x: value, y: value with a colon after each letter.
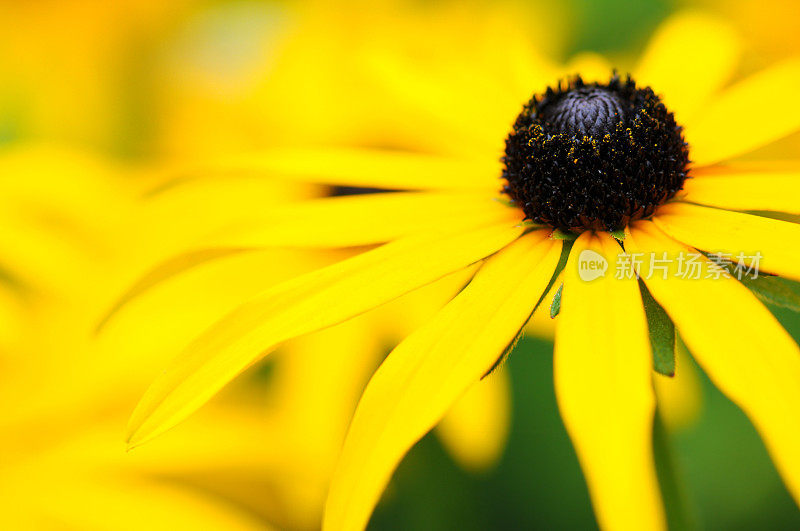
x: 751, y: 359
x: 11, y: 319
x: 592, y: 67
x: 745, y: 188
x: 715, y: 230
x: 130, y: 504
x: 307, y: 303
x: 723, y: 131
x: 475, y: 428
x: 479, y: 59
x: 690, y: 57
x: 161, y: 273
x: 60, y: 213
x: 363, y: 219
x: 431, y: 369
x: 527, y: 68
x: 679, y: 397
x: 71, y: 472
x: 364, y: 168
x: 332, y: 222
x: 169, y: 214
x: 438, y: 96
x: 603, y: 381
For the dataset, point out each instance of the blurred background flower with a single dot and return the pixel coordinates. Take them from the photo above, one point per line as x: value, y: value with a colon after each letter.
x: 99, y: 102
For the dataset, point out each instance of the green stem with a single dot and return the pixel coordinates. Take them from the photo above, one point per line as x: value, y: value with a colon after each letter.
x: 680, y: 517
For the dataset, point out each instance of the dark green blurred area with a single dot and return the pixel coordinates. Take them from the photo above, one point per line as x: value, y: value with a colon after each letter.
x: 611, y: 26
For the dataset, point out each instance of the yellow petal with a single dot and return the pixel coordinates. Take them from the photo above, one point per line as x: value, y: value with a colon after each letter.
x: 364, y: 219
x: 475, y: 429
x: 715, y: 230
x: 727, y: 126
x: 688, y: 59
x: 603, y: 380
x: 334, y: 222
x: 124, y: 504
x: 679, y: 397
x: 748, y: 356
x: 169, y: 211
x: 437, y: 96
x: 745, y: 187
x: 304, y: 304
x: 431, y: 369
x: 360, y: 167
x: 161, y: 273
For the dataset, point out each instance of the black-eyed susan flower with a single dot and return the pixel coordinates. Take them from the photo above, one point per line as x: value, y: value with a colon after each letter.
x: 640, y: 174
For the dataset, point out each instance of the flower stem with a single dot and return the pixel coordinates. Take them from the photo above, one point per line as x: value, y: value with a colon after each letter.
x: 680, y: 515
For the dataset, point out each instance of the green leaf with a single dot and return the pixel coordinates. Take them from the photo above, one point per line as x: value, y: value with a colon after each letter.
x: 555, y: 307
x: 775, y: 290
x: 618, y: 235
x: 769, y: 288
x: 528, y: 224
x: 562, y: 263
x: 662, y: 334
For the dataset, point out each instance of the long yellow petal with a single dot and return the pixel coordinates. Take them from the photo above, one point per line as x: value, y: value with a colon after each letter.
x: 360, y: 167
x: 427, y: 372
x: 722, y: 231
x: 727, y: 127
x: 748, y: 356
x: 160, y: 274
x: 475, y: 429
x: 688, y: 59
x: 364, y: 219
x: 168, y: 213
x: 323, y: 223
x: 745, y: 188
x: 307, y: 303
x: 603, y: 380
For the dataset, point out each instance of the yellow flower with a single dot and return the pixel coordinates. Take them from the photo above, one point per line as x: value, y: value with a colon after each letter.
x: 594, y: 156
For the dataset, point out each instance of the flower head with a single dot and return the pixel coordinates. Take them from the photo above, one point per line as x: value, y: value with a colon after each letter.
x: 594, y: 156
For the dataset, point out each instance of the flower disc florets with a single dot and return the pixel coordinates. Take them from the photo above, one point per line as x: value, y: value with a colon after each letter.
x: 594, y: 156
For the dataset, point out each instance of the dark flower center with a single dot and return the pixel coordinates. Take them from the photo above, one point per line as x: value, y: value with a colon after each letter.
x: 592, y: 111
x: 594, y: 156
